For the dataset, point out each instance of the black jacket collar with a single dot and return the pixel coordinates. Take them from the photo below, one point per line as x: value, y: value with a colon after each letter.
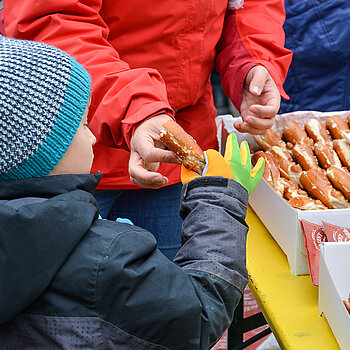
x: 48, y: 186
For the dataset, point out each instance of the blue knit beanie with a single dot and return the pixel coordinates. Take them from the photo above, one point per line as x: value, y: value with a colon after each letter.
x: 43, y: 95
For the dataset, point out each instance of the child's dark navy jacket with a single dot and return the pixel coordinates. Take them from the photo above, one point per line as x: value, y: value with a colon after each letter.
x: 71, y: 281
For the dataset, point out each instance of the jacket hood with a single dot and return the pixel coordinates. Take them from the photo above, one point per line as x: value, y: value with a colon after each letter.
x: 41, y: 222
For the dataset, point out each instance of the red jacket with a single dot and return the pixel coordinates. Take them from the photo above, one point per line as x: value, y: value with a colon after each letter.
x: 148, y: 57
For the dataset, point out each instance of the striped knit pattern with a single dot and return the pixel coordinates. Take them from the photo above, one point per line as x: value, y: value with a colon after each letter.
x: 43, y: 95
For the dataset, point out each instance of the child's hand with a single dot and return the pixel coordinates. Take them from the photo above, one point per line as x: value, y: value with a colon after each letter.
x: 236, y: 165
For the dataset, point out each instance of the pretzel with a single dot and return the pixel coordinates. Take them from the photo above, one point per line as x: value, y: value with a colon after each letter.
x: 340, y: 179
x: 292, y: 189
x: 295, y: 133
x: 299, y: 198
x: 336, y: 124
x: 342, y: 148
x: 306, y: 203
x: 304, y: 155
x: 271, y: 172
x: 347, y: 304
x: 326, y: 155
x: 268, y: 139
x: 318, y: 185
x: 184, y: 147
x: 317, y: 131
x: 288, y: 168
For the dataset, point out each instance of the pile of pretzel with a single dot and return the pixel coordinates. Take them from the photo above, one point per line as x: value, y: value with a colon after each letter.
x: 308, y: 165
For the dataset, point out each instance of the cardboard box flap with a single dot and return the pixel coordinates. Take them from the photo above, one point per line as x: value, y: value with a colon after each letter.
x: 334, y: 287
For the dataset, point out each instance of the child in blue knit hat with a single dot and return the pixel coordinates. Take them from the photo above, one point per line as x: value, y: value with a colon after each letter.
x: 44, y: 94
x: 69, y: 280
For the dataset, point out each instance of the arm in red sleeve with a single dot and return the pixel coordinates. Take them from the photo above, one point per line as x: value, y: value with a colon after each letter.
x: 253, y: 35
x: 121, y: 97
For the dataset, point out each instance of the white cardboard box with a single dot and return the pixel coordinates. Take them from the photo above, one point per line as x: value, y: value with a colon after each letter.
x: 278, y: 216
x: 334, y: 287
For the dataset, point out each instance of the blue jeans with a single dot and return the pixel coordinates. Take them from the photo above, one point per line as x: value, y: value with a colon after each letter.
x: 154, y: 210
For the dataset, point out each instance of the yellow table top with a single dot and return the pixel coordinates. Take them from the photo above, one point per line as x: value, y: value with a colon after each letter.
x: 288, y: 302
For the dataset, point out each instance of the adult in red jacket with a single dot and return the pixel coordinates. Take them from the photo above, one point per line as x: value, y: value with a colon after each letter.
x: 149, y: 61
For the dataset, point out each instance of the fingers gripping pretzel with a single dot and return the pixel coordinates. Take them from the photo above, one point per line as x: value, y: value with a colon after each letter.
x: 236, y: 164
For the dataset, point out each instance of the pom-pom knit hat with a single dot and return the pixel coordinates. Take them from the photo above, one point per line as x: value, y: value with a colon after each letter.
x: 44, y: 93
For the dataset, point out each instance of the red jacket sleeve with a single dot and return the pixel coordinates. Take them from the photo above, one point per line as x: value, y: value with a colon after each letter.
x: 253, y: 35
x: 121, y: 97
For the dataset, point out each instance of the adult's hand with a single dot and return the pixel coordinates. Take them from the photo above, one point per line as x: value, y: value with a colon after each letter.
x: 147, y: 152
x: 260, y: 102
